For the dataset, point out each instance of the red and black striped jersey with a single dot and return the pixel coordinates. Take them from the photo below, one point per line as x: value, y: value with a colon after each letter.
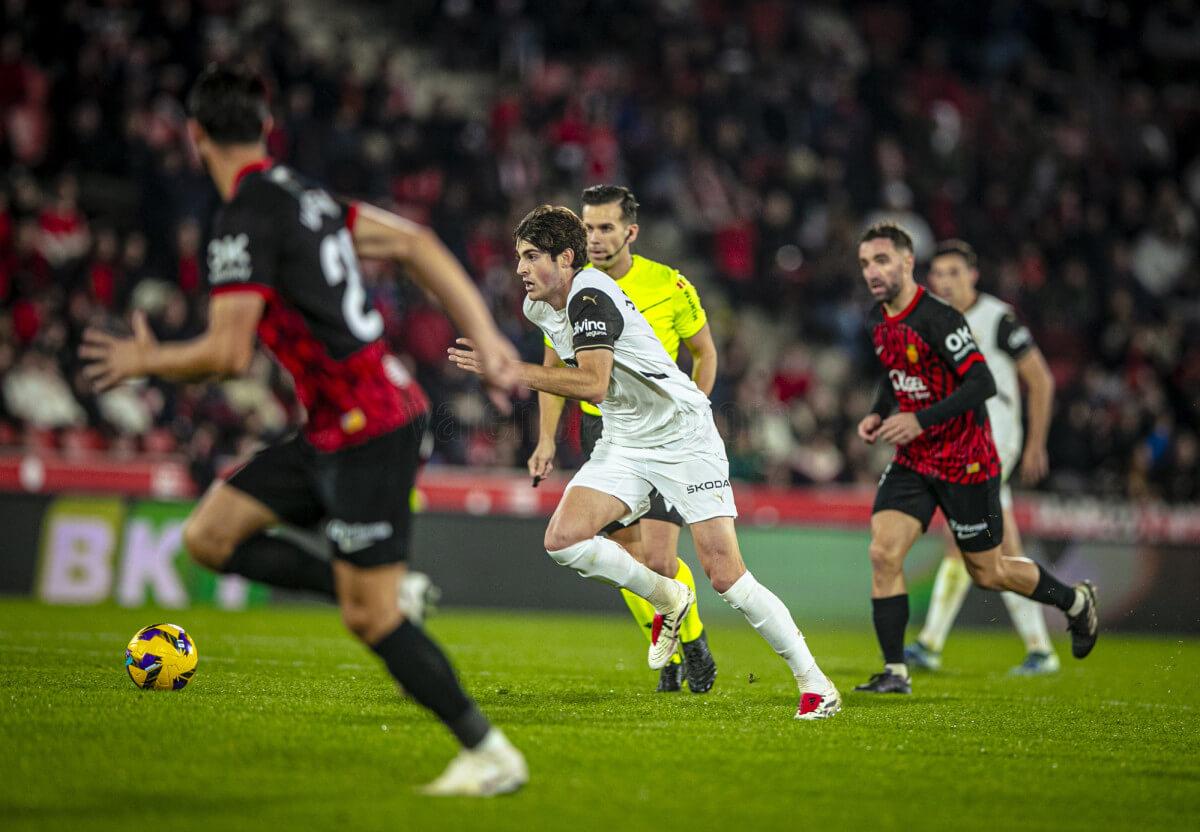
x: 287, y: 239
x: 926, y: 350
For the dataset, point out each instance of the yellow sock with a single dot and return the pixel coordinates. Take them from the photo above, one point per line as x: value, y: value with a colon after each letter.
x: 692, y: 627
x: 643, y: 614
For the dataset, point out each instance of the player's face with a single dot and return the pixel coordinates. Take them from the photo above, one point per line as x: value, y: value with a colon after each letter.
x: 884, y: 268
x: 952, y: 280
x: 607, y: 233
x: 538, y: 271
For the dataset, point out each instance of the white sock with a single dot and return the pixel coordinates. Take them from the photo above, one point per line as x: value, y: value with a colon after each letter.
x: 666, y: 593
x: 900, y: 669
x: 1027, y: 617
x: 605, y: 560
x: 1080, y: 600
x: 493, y: 740
x: 767, y: 614
x: 949, y: 589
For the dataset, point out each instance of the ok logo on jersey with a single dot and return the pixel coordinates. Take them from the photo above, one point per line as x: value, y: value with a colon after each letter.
x: 960, y: 342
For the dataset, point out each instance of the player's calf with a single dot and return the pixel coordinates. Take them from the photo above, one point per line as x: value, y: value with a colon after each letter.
x: 987, y: 571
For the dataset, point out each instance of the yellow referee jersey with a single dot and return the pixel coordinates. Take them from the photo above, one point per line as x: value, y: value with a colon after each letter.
x: 668, y: 301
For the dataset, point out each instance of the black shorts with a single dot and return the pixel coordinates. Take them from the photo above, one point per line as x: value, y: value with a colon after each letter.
x: 361, y: 495
x: 591, y: 428
x: 972, y: 509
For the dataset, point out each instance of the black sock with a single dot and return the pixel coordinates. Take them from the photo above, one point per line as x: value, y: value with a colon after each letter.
x: 422, y: 668
x: 891, y: 617
x: 280, y: 563
x: 1050, y: 590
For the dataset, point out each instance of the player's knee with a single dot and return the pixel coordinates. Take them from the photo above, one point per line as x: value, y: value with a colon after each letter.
x: 562, y: 535
x: 723, y: 568
x: 570, y: 555
x: 368, y: 623
x: 885, y: 559
x: 357, y: 618
x: 206, y: 545
x: 724, y: 577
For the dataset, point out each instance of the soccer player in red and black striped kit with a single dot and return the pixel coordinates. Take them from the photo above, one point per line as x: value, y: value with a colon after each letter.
x: 937, y: 382
x: 284, y: 264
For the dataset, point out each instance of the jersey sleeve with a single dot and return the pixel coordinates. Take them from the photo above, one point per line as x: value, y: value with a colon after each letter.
x: 596, y: 322
x: 245, y: 250
x: 688, y: 313
x: 1013, y: 338
x: 954, y: 342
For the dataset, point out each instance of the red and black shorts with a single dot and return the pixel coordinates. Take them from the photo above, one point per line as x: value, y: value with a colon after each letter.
x: 972, y: 509
x: 359, y: 496
x: 591, y: 428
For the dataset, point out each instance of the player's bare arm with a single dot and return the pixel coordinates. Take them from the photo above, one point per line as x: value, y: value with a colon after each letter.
x: 224, y: 350
x: 383, y: 235
x: 1035, y: 373
x: 587, y: 382
x: 704, y: 359
x: 550, y: 408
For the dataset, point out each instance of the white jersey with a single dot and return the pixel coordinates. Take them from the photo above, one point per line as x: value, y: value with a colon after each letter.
x: 650, y: 401
x: 1003, y: 341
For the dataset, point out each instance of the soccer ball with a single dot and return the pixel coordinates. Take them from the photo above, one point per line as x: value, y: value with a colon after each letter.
x: 161, y: 657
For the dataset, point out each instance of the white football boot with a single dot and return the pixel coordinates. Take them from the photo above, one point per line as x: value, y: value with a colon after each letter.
x: 664, y: 634
x: 819, y: 704
x: 417, y: 596
x: 493, y: 767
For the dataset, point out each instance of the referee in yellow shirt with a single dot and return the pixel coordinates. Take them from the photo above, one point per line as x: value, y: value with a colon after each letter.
x: 670, y: 303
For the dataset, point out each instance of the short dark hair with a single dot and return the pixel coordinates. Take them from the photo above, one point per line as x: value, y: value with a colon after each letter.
x: 960, y: 247
x: 900, y: 238
x: 230, y: 103
x: 606, y: 194
x: 554, y: 229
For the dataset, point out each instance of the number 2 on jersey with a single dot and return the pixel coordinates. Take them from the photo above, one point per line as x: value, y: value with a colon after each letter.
x: 339, y: 263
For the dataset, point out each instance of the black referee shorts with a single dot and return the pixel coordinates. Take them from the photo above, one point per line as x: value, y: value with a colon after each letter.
x: 361, y: 494
x: 972, y: 509
x: 591, y: 428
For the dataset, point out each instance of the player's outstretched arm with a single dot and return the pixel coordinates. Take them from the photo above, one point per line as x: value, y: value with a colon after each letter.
x: 382, y: 234
x: 588, y: 382
x: 225, y: 349
x: 550, y: 408
x: 1035, y: 373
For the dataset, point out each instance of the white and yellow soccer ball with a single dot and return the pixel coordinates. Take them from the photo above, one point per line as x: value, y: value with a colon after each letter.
x: 161, y: 657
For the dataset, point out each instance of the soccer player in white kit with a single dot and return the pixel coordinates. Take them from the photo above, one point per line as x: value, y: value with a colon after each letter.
x: 658, y: 433
x: 1012, y: 357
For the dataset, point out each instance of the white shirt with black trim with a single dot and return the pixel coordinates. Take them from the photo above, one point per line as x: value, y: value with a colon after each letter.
x: 1003, y: 340
x: 650, y: 401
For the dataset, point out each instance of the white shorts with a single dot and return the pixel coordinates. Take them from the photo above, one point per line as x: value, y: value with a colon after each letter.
x: 1010, y: 455
x: 691, y: 474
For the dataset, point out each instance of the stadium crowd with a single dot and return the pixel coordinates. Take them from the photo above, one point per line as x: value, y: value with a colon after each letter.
x: 760, y: 137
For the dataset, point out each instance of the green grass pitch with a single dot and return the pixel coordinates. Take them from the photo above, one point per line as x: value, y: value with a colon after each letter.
x: 291, y: 725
